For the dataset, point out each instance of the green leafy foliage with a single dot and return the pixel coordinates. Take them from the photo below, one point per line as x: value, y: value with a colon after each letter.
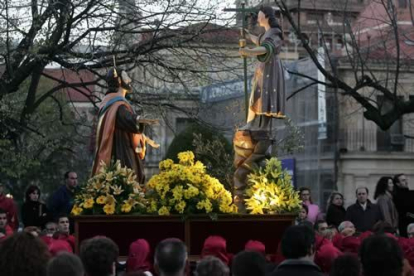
x: 44, y: 147
x: 217, y: 157
x: 184, y: 141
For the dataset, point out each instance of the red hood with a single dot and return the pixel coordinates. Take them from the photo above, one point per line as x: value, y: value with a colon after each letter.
x: 216, y: 246
x: 139, y: 257
x: 350, y: 245
x: 256, y: 246
x: 325, y: 254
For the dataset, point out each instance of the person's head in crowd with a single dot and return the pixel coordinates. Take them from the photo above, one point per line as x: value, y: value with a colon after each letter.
x: 303, y: 213
x: 216, y: 246
x: 139, y: 256
x: 50, y: 228
x: 71, y: 180
x: 305, y: 194
x: 35, y: 231
x: 381, y: 256
x: 298, y: 242
x: 410, y: 230
x: 23, y: 254
x: 3, y: 218
x: 346, y: 265
x: 65, y: 264
x: 32, y: 194
x: 383, y: 227
x: 170, y: 258
x: 384, y: 185
x: 99, y: 256
x: 211, y: 266
x: 400, y: 180
x: 346, y: 228
x: 256, y: 246
x: 336, y: 198
x: 63, y: 223
x: 247, y: 263
x: 321, y: 228
x: 1, y: 189
x: 362, y: 195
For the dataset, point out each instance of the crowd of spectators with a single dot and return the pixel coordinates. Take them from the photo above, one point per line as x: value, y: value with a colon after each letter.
x: 302, y: 251
x: 364, y: 239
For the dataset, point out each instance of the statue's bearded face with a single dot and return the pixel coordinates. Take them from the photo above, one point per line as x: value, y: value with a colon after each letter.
x: 126, y: 81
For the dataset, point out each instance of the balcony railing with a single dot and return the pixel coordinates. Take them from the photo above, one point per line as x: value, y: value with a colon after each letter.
x: 357, y: 140
x: 373, y: 140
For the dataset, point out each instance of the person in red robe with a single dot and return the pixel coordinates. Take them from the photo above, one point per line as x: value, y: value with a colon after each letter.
x: 5, y: 229
x: 139, y: 257
x: 119, y: 134
x: 8, y: 205
x: 216, y: 246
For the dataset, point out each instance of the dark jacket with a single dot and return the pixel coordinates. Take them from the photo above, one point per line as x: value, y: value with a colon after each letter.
x: 404, y: 203
x: 364, y: 220
x: 306, y: 223
x: 61, y: 202
x: 35, y: 213
x: 335, y: 215
x: 293, y: 267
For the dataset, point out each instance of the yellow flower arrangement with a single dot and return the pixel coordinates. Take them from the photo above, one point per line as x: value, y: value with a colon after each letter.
x: 186, y: 188
x: 163, y: 211
x: 88, y: 203
x: 77, y: 210
x: 114, y: 190
x: 101, y: 200
x: 186, y: 158
x: 126, y: 208
x: 109, y: 209
x: 270, y: 191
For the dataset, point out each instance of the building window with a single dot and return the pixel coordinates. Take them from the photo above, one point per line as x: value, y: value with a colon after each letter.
x: 339, y: 44
x: 328, y: 43
x: 314, y: 17
x: 402, y: 4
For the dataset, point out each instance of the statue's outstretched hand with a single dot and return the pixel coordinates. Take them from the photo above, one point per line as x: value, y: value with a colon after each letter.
x: 151, y: 142
x: 242, y: 52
